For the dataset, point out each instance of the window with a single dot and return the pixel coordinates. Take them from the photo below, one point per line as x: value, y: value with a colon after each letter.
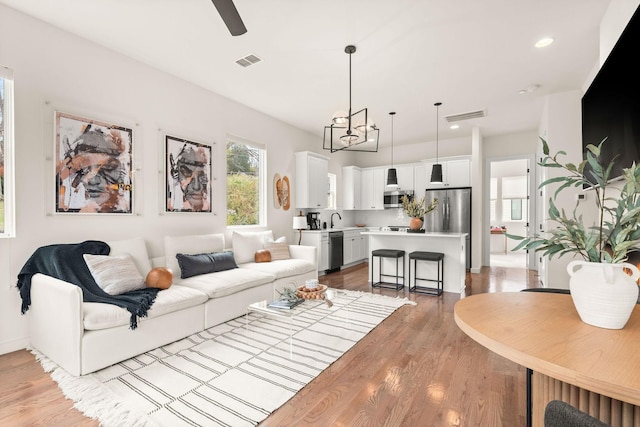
x: 331, y: 194
x: 514, y: 209
x: 246, y: 184
x: 7, y: 196
x: 514, y: 198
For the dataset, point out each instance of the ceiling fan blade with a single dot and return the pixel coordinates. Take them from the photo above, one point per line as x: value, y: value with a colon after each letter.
x: 230, y: 16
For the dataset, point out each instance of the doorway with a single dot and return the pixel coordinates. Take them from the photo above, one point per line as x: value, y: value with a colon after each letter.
x: 509, y: 210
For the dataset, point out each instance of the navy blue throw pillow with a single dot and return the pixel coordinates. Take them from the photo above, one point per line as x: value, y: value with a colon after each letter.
x: 194, y: 265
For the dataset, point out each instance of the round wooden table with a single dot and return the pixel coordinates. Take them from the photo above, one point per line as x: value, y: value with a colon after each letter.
x: 597, y: 370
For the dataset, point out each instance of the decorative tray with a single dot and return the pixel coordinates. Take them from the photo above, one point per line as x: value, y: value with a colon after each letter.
x: 317, y: 293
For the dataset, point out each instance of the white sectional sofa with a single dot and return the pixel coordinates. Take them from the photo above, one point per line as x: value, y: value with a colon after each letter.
x: 83, y: 337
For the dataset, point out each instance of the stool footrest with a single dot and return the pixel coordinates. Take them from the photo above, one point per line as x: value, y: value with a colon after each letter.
x: 388, y: 285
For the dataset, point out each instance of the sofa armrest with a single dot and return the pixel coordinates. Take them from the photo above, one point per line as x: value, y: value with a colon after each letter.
x: 308, y: 253
x: 55, y: 321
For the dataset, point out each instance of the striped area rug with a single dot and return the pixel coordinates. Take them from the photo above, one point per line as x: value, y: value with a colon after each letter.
x: 234, y: 374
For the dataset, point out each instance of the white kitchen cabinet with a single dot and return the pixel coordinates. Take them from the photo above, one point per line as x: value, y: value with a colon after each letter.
x: 420, y: 179
x: 458, y: 173
x: 351, y: 247
x: 347, y: 251
x: 455, y: 173
x: 312, y: 182
x: 364, y: 247
x: 372, y: 196
x: 405, y: 177
x: 321, y: 241
x: 351, y: 187
x: 323, y: 263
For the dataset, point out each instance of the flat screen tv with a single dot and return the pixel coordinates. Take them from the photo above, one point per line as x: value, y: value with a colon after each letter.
x: 611, y: 105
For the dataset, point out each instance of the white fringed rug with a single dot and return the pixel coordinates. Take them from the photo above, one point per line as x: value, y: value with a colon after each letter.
x: 228, y: 375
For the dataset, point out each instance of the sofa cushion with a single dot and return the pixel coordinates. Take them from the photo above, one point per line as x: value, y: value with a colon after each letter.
x: 190, y: 245
x: 283, y: 268
x: 194, y: 265
x: 135, y: 247
x: 278, y: 250
x: 246, y: 243
x: 104, y: 316
x: 114, y: 274
x: 227, y: 282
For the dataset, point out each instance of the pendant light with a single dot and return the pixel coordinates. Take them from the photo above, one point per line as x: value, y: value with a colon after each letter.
x: 436, y: 171
x: 351, y: 131
x: 392, y: 176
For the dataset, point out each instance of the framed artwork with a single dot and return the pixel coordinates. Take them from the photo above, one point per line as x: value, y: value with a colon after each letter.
x: 93, y: 166
x: 188, y: 173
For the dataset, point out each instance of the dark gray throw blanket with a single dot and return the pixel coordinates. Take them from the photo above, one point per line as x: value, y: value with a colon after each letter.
x: 65, y: 262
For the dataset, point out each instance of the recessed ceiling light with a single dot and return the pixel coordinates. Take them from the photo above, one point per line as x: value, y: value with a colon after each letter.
x: 454, y: 127
x: 529, y: 89
x: 544, y: 42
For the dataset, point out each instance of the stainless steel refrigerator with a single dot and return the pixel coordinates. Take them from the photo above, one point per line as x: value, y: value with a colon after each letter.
x: 452, y: 215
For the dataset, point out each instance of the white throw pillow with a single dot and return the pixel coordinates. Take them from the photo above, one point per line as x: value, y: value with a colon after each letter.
x: 246, y: 243
x: 280, y: 239
x: 114, y: 274
x: 190, y: 245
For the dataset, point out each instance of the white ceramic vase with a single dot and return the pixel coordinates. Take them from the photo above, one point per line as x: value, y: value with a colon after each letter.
x: 604, y: 295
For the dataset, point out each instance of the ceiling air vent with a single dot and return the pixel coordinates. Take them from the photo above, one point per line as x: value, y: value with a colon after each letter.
x: 248, y: 60
x: 466, y: 116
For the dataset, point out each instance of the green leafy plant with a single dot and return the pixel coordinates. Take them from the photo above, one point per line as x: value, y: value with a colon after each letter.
x: 415, y: 208
x: 617, y: 230
x: 288, y: 294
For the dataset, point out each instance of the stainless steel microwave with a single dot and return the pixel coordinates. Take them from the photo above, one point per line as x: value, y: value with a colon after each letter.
x: 393, y: 199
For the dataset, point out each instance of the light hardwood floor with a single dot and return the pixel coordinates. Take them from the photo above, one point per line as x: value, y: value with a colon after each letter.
x: 415, y: 369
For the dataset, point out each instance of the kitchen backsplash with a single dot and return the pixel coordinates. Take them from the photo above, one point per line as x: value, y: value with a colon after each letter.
x: 377, y: 218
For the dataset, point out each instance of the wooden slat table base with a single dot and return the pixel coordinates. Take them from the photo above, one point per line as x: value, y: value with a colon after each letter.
x: 611, y: 411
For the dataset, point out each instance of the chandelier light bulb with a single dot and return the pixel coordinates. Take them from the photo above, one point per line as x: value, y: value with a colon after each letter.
x: 340, y: 118
x: 348, y: 140
x: 363, y: 129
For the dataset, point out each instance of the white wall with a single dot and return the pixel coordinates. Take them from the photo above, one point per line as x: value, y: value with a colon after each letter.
x: 57, y: 70
x: 411, y: 153
x: 562, y: 132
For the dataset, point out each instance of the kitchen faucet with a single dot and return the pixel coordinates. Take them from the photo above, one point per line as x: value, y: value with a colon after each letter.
x: 335, y: 213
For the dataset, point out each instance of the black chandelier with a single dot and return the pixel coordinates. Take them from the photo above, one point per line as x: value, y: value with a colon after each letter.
x: 351, y: 131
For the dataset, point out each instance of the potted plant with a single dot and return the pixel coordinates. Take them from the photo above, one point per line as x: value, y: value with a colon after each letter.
x: 416, y: 210
x: 598, y: 282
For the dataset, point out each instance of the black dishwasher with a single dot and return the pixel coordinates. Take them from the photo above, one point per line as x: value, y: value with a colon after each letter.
x: 335, y: 250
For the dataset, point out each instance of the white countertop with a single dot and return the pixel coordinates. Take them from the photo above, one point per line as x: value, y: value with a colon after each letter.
x: 405, y: 234
x: 328, y: 230
x: 366, y: 231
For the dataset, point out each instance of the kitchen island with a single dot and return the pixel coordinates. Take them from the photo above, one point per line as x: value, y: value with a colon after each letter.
x: 452, y: 245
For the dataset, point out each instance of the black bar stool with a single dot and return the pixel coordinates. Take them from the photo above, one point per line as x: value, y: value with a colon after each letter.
x: 388, y: 253
x: 426, y: 256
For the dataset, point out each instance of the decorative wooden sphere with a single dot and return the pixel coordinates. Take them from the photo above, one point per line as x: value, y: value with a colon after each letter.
x: 159, y: 277
x: 263, y: 255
